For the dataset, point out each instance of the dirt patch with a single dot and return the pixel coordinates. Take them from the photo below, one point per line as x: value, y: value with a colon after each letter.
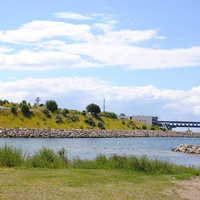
x: 190, y: 189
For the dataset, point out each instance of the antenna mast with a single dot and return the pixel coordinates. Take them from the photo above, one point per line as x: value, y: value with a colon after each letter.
x: 104, y: 105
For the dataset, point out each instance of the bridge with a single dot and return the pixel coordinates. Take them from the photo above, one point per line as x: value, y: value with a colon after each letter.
x: 176, y: 124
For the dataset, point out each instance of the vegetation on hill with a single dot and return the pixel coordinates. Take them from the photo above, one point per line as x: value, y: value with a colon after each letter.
x: 23, y: 115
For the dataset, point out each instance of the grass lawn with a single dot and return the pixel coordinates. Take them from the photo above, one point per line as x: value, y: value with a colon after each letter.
x: 33, y: 183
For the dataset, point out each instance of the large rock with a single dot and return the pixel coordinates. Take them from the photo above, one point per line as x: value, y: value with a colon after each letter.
x: 188, y: 148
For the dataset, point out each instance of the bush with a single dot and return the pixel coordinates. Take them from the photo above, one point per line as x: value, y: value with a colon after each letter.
x: 52, y: 105
x: 64, y: 112
x: 25, y: 110
x: 74, y: 118
x: 58, y: 119
x: 10, y: 157
x: 111, y: 115
x: 100, y: 125
x: 144, y: 127
x: 83, y: 113
x: 14, y: 110
x: 90, y: 121
x: 131, y: 124
x: 47, y: 113
x: 46, y: 158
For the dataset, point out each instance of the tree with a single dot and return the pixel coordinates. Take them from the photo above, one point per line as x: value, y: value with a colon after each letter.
x: 52, y: 105
x: 93, y: 109
x: 25, y: 110
x: 14, y: 110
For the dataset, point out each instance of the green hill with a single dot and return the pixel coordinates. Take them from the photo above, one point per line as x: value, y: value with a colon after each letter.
x: 72, y: 120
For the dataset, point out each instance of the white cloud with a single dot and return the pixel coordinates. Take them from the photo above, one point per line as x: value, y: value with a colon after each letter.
x: 72, y: 15
x: 42, y: 61
x: 38, y: 30
x: 79, y: 92
x: 43, y: 45
x: 5, y: 50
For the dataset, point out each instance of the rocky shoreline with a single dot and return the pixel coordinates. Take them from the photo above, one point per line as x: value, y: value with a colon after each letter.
x: 79, y: 133
x: 188, y: 149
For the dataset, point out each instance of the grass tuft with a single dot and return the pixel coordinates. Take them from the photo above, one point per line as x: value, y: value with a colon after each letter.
x: 46, y: 158
x: 11, y: 157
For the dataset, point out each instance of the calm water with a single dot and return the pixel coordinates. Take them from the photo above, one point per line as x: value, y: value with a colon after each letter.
x: 153, y: 148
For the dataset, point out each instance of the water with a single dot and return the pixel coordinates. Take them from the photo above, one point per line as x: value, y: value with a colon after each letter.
x: 89, y: 148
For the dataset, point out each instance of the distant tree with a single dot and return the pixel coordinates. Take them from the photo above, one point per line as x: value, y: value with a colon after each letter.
x: 100, y: 125
x: 52, y: 105
x: 93, y: 109
x: 64, y: 112
x: 24, y: 102
x: 46, y: 112
x: 14, y: 110
x: 90, y: 121
x: 25, y: 110
x: 111, y: 115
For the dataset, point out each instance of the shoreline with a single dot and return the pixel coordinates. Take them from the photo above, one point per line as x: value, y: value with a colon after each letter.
x: 82, y: 133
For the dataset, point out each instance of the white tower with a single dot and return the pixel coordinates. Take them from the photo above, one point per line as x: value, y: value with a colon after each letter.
x: 37, y: 101
x: 104, y: 105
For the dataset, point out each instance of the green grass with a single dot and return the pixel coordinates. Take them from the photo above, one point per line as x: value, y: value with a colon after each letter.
x: 39, y: 120
x: 50, y: 175
x: 32, y: 183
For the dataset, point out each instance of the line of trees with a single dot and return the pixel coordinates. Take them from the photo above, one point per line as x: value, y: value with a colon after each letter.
x: 51, y: 105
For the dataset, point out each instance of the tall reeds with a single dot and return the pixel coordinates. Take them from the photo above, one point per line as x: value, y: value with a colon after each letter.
x: 47, y: 158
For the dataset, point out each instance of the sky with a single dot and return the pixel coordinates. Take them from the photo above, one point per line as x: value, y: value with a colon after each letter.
x: 141, y: 56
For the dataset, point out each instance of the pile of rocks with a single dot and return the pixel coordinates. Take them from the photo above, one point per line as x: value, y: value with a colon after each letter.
x: 79, y: 133
x: 188, y: 148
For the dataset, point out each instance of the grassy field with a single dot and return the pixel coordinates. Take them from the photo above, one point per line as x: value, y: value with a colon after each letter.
x: 50, y: 175
x: 87, y: 184
x: 73, y: 120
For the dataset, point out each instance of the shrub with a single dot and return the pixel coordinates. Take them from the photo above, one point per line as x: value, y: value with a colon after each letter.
x: 25, y: 110
x: 64, y: 112
x: 46, y: 158
x: 52, y: 105
x: 144, y: 127
x: 74, y: 118
x: 14, y: 110
x: 47, y: 113
x: 111, y: 115
x: 90, y: 121
x: 131, y: 124
x: 58, y: 119
x: 100, y: 125
x: 83, y: 113
x: 10, y: 157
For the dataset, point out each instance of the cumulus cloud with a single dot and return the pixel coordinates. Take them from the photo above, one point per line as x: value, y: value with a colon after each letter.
x: 77, y: 93
x: 43, y: 60
x: 57, y: 44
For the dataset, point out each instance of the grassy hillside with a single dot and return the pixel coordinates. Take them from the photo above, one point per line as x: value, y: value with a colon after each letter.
x: 72, y: 120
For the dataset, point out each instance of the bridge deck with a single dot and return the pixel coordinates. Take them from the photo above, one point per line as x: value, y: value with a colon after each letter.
x: 175, y: 124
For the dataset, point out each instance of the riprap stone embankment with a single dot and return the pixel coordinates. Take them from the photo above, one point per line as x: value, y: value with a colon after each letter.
x: 79, y: 133
x: 188, y: 149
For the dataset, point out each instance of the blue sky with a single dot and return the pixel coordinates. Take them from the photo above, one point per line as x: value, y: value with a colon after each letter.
x: 142, y: 56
